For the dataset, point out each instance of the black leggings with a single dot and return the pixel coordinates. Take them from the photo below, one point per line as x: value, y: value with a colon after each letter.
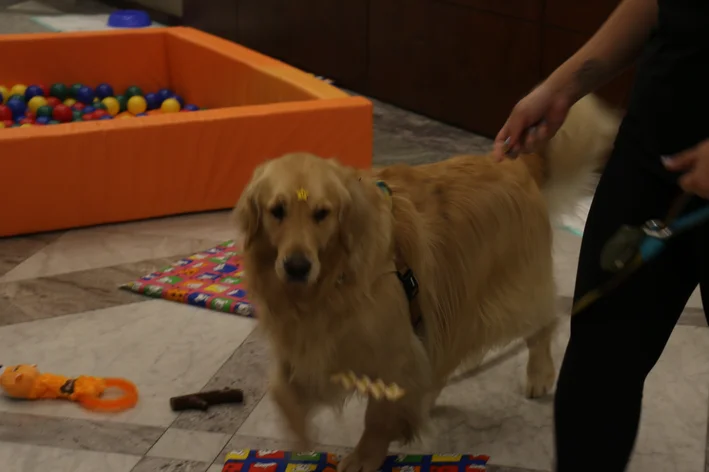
x: 617, y: 341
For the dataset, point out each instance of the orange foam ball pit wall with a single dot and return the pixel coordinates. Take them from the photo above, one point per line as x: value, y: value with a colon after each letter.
x: 89, y: 173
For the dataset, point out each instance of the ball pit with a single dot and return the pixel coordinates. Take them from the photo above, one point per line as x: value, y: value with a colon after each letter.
x: 36, y: 104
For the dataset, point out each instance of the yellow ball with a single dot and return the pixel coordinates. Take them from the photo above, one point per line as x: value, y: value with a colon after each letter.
x: 170, y: 105
x: 36, y: 102
x: 70, y: 102
x: 137, y: 104
x: 2, y: 125
x: 96, y: 99
x: 112, y: 105
x: 18, y: 89
x: 26, y: 125
x: 5, y: 93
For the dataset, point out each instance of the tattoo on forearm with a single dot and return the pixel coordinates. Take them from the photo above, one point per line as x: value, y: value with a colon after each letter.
x: 589, y: 75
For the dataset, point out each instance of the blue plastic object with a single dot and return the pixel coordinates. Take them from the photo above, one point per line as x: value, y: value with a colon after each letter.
x: 129, y: 19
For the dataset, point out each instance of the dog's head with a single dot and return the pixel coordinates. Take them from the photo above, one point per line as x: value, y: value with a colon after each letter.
x: 303, y: 210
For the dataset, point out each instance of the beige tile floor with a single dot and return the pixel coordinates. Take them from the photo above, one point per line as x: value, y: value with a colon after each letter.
x: 60, y: 308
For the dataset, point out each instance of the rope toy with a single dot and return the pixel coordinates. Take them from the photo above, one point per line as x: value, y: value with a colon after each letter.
x: 24, y: 381
x: 365, y: 386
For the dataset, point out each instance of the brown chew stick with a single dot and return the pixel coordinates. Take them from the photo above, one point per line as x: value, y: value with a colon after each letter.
x: 203, y: 400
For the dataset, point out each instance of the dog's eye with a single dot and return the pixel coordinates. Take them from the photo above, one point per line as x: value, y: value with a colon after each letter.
x: 278, y: 212
x: 320, y: 214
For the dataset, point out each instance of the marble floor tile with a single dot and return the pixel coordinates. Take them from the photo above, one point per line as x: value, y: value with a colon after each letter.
x: 214, y: 226
x: 15, y: 250
x: 198, y: 446
x: 216, y: 468
x: 165, y: 348
x: 15, y: 23
x: 489, y: 414
x: 246, y: 369
x: 158, y: 464
x: 93, y: 248
x: 99, y: 436
x: 29, y: 458
x: 75, y: 292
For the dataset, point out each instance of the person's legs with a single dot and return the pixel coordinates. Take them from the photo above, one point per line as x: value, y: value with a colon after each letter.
x: 616, y: 341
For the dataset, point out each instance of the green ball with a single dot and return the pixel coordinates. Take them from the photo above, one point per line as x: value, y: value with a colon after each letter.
x: 122, y: 101
x: 77, y: 115
x: 99, y: 106
x: 133, y: 90
x: 74, y: 89
x: 59, y: 91
x: 44, y: 110
x: 53, y: 122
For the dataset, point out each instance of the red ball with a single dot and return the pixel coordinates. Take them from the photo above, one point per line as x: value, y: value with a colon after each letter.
x: 45, y: 89
x: 62, y: 113
x: 5, y: 113
x: 89, y: 117
x: 78, y: 106
x: 53, y: 101
x: 25, y: 121
x: 99, y: 113
x: 8, y: 123
x: 31, y: 115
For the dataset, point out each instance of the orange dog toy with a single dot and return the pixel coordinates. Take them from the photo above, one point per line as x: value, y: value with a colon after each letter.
x: 24, y: 381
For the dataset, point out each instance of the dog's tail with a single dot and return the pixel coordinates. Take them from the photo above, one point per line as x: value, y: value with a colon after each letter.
x: 576, y: 151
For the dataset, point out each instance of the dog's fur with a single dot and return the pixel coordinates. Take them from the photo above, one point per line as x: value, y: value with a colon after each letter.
x: 476, y: 234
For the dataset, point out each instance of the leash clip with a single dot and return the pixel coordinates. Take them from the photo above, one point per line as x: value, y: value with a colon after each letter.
x: 657, y: 229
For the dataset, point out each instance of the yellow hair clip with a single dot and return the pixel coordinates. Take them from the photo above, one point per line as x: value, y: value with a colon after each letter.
x: 302, y: 195
x: 365, y: 386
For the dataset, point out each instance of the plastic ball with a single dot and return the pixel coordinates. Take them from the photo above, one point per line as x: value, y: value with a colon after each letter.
x: 77, y: 115
x: 26, y: 121
x: 45, y: 110
x: 137, y: 104
x: 89, y: 110
x: 170, y: 106
x: 42, y: 120
x: 100, y: 113
x: 141, y: 114
x: 112, y: 106
x: 53, y: 122
x: 191, y: 107
x: 70, y: 102
x: 25, y: 125
x: 18, y: 89
x: 33, y: 91
x: 53, y: 101
x: 180, y: 100
x: 17, y: 106
x: 59, y: 91
x: 2, y: 125
x: 85, y: 95
x: 62, y: 113
x: 36, y: 102
x: 165, y: 93
x: 89, y: 117
x: 133, y: 91
x: 2, y: 98
x: 99, y: 106
x: 16, y: 96
x: 78, y: 106
x: 103, y: 91
x: 5, y: 113
x: 74, y: 89
x: 153, y: 101
x: 44, y: 89
x: 122, y: 101
x: 5, y: 93
x: 30, y: 114
x: 106, y: 117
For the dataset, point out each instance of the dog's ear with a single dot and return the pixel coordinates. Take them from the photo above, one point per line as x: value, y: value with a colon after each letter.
x: 353, y: 203
x: 247, y: 213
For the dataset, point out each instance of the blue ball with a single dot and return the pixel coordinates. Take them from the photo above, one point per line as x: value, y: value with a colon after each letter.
x: 85, y: 95
x: 106, y: 117
x: 103, y: 91
x: 153, y: 100
x: 88, y: 110
x: 164, y: 94
x: 179, y: 99
x: 20, y: 118
x: 17, y: 106
x: 42, y: 120
x: 191, y: 107
x: 33, y: 91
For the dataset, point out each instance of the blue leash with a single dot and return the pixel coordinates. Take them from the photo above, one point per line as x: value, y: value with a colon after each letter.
x: 656, y: 238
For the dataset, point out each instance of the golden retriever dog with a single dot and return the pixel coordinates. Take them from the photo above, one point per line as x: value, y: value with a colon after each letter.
x: 325, y: 247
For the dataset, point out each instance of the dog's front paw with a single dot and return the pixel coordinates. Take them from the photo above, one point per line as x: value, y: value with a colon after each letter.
x: 540, y: 383
x: 357, y: 462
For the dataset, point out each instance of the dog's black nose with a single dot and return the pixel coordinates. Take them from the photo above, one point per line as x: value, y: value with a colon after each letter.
x: 297, y: 266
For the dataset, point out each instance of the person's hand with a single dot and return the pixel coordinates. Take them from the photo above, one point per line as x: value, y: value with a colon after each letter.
x: 694, y: 163
x: 535, y: 119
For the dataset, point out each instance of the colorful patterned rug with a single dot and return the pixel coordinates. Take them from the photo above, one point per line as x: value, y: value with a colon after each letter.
x: 209, y: 279
x: 282, y: 461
